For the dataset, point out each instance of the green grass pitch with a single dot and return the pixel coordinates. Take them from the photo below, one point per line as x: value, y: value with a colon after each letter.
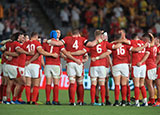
x: 65, y: 109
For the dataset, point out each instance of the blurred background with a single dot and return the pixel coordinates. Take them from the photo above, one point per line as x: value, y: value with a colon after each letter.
x: 135, y: 16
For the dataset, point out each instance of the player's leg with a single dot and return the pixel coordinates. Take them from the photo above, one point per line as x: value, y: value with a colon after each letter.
x: 8, y: 90
x: 36, y: 84
x: 97, y: 92
x: 116, y: 91
x: 150, y: 90
x: 28, y: 89
x: 124, y: 81
x: 56, y: 90
x: 143, y: 91
x: 128, y: 93
x: 106, y: 86
x: 93, y: 89
x: 49, y: 78
x: 101, y: 81
x: 80, y: 89
x: 158, y: 92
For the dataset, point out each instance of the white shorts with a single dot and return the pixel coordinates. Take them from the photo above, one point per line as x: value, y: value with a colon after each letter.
x: 11, y: 71
x: 52, y: 71
x: 32, y: 70
x: 98, y: 71
x: 152, y: 74
x: 107, y: 72
x: 73, y: 69
x: 4, y: 70
x: 139, y: 72
x: 21, y: 71
x: 120, y: 69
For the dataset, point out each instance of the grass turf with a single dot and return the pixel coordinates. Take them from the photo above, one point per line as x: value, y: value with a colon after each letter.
x: 65, y: 109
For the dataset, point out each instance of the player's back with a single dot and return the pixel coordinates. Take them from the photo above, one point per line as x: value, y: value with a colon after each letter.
x: 137, y: 56
x: 121, y: 55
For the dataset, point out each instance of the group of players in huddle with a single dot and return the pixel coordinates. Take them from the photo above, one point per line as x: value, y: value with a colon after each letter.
x: 23, y: 57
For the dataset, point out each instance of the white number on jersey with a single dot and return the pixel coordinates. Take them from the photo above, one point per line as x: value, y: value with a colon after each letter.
x: 31, y: 47
x: 155, y: 51
x: 9, y: 49
x: 120, y: 51
x: 99, y: 49
x: 51, y: 49
x: 140, y: 45
x: 75, y: 45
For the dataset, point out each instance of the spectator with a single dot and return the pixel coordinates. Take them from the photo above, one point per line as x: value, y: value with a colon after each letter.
x: 122, y: 21
x: 75, y: 17
x: 85, y: 32
x: 64, y: 14
x: 1, y: 12
x: 157, y: 26
x: 1, y: 29
x: 117, y: 10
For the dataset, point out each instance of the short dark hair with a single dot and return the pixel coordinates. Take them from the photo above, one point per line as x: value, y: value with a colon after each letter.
x: 34, y: 34
x: 75, y: 31
x: 97, y: 33
x: 146, y: 35
x: 14, y: 37
x: 117, y: 36
x: 133, y: 36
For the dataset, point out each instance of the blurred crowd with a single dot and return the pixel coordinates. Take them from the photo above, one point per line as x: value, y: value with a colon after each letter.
x: 14, y: 17
x: 135, y: 16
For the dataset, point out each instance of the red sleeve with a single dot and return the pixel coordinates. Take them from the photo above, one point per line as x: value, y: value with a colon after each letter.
x: 17, y: 45
x: 44, y: 46
x: 65, y: 39
x: 37, y: 44
x: 148, y: 50
x: 109, y: 45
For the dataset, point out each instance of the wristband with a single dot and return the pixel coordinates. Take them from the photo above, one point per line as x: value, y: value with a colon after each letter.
x: 49, y: 41
x: 97, y: 58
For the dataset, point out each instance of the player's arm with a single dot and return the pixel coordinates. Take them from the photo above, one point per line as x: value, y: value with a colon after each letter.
x: 13, y: 54
x: 85, y: 58
x: 5, y: 41
x: 125, y: 41
x: 143, y: 59
x: 70, y: 56
x: 109, y: 60
x: 55, y: 43
x: 79, y: 52
x: 21, y: 51
x: 42, y: 61
x: 139, y: 48
x: 35, y: 57
x: 42, y: 52
x: 153, y: 39
x: 157, y: 58
x: 92, y: 43
x: 103, y: 55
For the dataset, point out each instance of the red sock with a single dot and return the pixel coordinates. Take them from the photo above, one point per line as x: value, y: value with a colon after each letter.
x: 107, y: 98
x: 152, y: 100
x: 128, y: 94
x: 78, y: 96
x: 158, y: 100
x: 55, y: 93
x: 37, y: 96
x: 21, y: 91
x: 28, y: 93
x: 48, y: 91
x: 4, y: 90
x: 103, y: 93
x: 97, y: 98
x: 93, y: 93
x: 69, y: 93
x: 124, y: 92
x: 136, y: 93
x: 144, y: 93
x: 35, y: 93
x: 116, y: 92
x: 1, y: 92
x: 12, y: 89
x: 72, y: 92
x: 8, y: 99
x: 14, y: 98
x: 81, y: 92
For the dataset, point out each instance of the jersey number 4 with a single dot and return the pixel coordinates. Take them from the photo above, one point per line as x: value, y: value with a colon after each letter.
x: 75, y: 45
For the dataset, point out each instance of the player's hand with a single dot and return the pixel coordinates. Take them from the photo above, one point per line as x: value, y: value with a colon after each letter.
x: 78, y: 62
x: 31, y: 53
x: 139, y: 64
x: 9, y: 58
x: 118, y: 45
x: 27, y: 63
x: 93, y: 59
x: 122, y: 34
x: 146, y: 44
x: 55, y: 55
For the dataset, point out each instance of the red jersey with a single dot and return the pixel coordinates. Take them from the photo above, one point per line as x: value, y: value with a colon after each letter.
x: 121, y: 55
x: 32, y: 45
x: 3, y: 59
x: 151, y: 60
x: 12, y: 46
x: 22, y: 58
x: 137, y: 56
x: 52, y: 49
x: 97, y: 51
x: 73, y: 44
